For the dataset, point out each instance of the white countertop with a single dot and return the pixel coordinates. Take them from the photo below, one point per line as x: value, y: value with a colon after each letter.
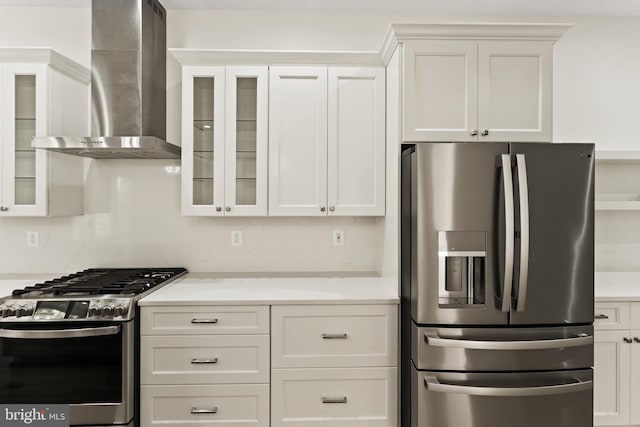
x: 617, y: 286
x: 206, y: 289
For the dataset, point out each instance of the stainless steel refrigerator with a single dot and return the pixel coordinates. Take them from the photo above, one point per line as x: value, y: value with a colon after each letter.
x: 497, y: 285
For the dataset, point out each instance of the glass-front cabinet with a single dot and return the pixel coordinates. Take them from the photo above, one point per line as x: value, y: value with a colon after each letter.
x: 42, y: 93
x: 224, y: 140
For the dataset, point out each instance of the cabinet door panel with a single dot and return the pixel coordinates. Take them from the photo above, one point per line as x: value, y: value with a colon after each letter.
x: 356, y: 141
x: 515, y: 91
x: 440, y: 91
x: 24, y: 170
x: 203, y: 112
x: 298, y: 141
x: 246, y: 130
x: 611, y: 378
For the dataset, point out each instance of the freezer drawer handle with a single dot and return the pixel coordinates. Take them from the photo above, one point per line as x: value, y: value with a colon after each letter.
x: 199, y: 321
x: 334, y: 399
x: 196, y: 411
x: 434, y: 340
x: 432, y: 384
x: 62, y: 333
x: 203, y: 361
x: 600, y: 316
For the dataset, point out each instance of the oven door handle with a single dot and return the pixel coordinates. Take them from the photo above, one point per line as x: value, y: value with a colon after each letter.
x: 59, y: 333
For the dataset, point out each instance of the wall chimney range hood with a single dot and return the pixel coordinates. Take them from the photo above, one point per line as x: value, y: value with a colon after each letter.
x: 128, y: 85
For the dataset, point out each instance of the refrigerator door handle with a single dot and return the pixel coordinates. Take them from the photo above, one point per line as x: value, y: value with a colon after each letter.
x: 523, y: 191
x: 509, y: 232
x: 434, y: 340
x: 433, y: 384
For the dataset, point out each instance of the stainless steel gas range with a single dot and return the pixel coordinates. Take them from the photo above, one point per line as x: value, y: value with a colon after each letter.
x: 74, y: 340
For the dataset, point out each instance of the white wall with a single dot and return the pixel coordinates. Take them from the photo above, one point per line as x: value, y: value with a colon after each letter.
x: 135, y: 218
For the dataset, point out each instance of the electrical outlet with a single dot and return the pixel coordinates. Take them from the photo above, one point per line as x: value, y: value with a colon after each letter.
x: 236, y: 238
x: 338, y: 238
x: 33, y: 239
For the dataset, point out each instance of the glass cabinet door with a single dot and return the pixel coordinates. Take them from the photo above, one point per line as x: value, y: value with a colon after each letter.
x: 246, y: 141
x: 203, y: 140
x: 24, y: 168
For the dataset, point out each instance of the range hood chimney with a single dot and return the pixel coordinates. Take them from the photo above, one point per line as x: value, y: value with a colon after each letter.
x: 128, y: 89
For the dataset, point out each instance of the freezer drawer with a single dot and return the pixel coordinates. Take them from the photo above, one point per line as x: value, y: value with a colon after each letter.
x: 540, y: 399
x: 502, y: 349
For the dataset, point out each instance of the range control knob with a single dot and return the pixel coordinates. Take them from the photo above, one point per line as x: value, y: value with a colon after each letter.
x: 107, y: 311
x: 9, y: 311
x: 24, y: 310
x: 94, y: 311
x: 120, y: 311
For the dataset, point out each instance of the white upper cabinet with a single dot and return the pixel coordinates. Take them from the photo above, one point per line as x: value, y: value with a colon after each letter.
x: 476, y: 82
x: 224, y: 140
x: 43, y: 95
x: 327, y: 141
x: 298, y: 141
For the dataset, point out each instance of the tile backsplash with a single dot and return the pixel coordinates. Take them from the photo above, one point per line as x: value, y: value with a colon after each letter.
x: 132, y: 218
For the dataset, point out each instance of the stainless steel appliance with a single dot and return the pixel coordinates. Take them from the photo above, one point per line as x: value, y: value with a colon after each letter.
x: 128, y: 85
x: 497, y: 285
x: 74, y: 340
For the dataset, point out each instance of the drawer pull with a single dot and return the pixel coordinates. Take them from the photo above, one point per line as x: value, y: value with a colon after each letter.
x: 213, y: 410
x: 334, y: 399
x: 201, y: 361
x: 600, y: 316
x: 334, y: 336
x: 197, y: 321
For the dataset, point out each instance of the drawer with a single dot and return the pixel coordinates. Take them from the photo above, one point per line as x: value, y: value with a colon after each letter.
x: 357, y: 397
x: 200, y: 320
x: 611, y: 315
x: 205, y: 406
x: 202, y: 359
x: 334, y: 336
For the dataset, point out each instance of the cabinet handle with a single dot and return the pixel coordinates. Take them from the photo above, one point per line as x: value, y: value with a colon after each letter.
x: 197, y: 321
x: 213, y: 410
x: 334, y: 399
x: 627, y: 340
x: 332, y: 208
x: 485, y: 132
x: 474, y: 132
x: 322, y: 209
x: 218, y: 209
x: 228, y: 209
x: 600, y: 316
x: 4, y: 209
x: 636, y: 339
x: 334, y: 336
x: 204, y: 361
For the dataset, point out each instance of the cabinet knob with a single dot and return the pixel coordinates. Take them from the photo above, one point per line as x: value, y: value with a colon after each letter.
x: 485, y: 132
x: 636, y: 339
x: 332, y: 208
x: 4, y: 209
x: 474, y: 132
x: 218, y: 209
x: 627, y: 340
x: 322, y: 209
x: 228, y: 209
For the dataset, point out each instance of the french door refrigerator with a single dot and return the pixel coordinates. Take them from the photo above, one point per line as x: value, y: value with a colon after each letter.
x: 497, y: 285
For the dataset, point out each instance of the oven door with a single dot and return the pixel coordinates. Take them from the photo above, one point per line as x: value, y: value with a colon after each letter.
x: 522, y: 399
x: 87, y: 365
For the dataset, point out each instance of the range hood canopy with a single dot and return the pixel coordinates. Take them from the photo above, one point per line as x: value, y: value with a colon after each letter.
x: 128, y: 85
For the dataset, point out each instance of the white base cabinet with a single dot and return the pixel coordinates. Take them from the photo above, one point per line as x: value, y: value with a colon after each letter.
x: 617, y: 364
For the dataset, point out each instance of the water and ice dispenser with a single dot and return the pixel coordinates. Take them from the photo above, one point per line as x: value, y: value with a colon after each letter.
x: 461, y: 257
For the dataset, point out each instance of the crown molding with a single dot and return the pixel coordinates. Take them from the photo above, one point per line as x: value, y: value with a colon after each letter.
x: 49, y: 56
